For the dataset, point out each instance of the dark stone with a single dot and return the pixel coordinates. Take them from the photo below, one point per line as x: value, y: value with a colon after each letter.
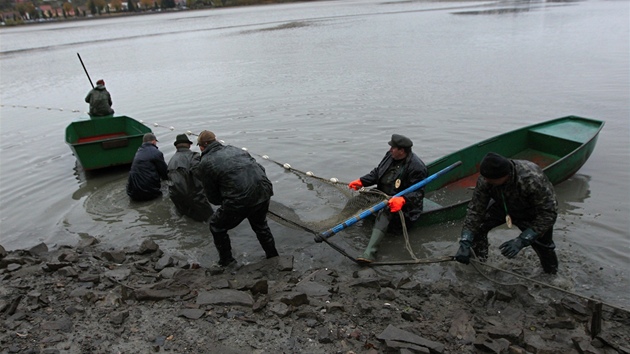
x: 369, y: 283
x: 38, y: 250
x: 89, y: 278
x: 405, y: 347
x: 117, y: 257
x: 163, y: 262
x: 311, y: 288
x: 224, y: 297
x: 154, y: 292
x: 561, y: 323
x: 260, y: 287
x: 53, y: 266
x: 387, y: 294
x: 394, y: 334
x: 487, y: 344
x: 118, y: 317
x: 63, y: 325
x: 324, y: 335
x: 279, y: 308
x: 148, y: 246
x: 87, y: 242
x: 193, y: 314
x: 292, y: 298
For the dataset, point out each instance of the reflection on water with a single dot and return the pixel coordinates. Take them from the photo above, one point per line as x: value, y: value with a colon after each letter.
x: 90, y: 181
x: 572, y: 192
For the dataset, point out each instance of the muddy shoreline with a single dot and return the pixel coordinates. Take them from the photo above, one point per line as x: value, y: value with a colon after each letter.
x: 91, y: 298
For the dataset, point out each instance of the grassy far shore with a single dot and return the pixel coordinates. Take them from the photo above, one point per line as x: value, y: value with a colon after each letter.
x: 15, y: 17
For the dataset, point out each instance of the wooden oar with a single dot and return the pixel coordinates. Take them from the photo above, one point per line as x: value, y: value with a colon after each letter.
x: 372, y: 210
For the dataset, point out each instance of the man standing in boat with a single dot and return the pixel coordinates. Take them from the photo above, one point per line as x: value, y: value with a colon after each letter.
x: 397, y: 171
x: 147, y: 169
x: 234, y: 180
x: 100, y: 100
x: 184, y: 189
x: 516, y: 192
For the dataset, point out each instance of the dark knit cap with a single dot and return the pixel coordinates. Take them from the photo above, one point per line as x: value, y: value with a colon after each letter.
x: 494, y: 166
x: 400, y: 141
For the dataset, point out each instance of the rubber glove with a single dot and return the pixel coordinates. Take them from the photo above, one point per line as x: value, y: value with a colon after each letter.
x: 356, y: 185
x: 511, y: 248
x: 465, y: 242
x: 395, y: 204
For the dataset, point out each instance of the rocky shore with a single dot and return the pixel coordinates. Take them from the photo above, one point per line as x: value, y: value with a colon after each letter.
x: 91, y: 298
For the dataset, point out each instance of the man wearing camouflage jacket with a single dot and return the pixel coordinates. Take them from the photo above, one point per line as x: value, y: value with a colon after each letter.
x: 513, y: 192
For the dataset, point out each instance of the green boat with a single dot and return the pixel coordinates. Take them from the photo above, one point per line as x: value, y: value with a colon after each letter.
x: 560, y: 146
x: 101, y: 142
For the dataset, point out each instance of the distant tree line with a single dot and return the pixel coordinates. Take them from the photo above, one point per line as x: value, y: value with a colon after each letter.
x: 13, y: 13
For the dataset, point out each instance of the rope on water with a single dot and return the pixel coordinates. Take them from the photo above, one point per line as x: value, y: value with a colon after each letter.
x: 43, y: 108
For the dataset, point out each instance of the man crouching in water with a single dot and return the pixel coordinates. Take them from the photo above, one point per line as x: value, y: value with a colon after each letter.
x: 514, y: 192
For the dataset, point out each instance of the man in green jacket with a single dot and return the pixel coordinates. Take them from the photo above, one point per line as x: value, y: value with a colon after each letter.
x: 100, y: 100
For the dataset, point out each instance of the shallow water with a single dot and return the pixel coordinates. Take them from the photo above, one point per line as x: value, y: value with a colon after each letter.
x: 322, y: 86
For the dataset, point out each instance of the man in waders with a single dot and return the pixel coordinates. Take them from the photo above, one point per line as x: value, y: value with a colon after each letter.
x: 399, y: 170
x: 234, y: 180
x: 516, y: 192
x: 184, y: 189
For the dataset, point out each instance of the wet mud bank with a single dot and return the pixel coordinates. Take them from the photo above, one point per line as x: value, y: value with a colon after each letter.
x: 90, y: 298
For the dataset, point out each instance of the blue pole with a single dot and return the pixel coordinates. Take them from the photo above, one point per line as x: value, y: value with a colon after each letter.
x: 372, y: 210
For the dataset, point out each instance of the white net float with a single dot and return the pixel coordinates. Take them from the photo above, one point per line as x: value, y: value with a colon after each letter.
x: 244, y: 148
x: 171, y: 128
x: 309, y: 173
x: 265, y: 157
x: 334, y: 180
x: 287, y: 166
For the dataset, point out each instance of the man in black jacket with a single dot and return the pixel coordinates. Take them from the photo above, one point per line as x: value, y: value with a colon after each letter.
x: 397, y: 171
x: 234, y: 180
x: 184, y: 189
x: 147, y: 169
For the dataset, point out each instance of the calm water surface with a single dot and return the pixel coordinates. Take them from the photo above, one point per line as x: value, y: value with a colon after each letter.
x: 322, y: 86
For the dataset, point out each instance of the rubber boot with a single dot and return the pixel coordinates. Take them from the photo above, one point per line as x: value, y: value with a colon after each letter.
x: 547, y: 256
x: 222, y: 243
x: 369, y: 255
x: 270, y: 248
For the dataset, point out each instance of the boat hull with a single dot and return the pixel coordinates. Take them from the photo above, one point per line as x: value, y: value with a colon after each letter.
x: 560, y: 146
x: 105, y: 141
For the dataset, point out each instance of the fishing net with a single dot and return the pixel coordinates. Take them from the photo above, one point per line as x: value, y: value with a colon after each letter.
x: 321, y: 203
